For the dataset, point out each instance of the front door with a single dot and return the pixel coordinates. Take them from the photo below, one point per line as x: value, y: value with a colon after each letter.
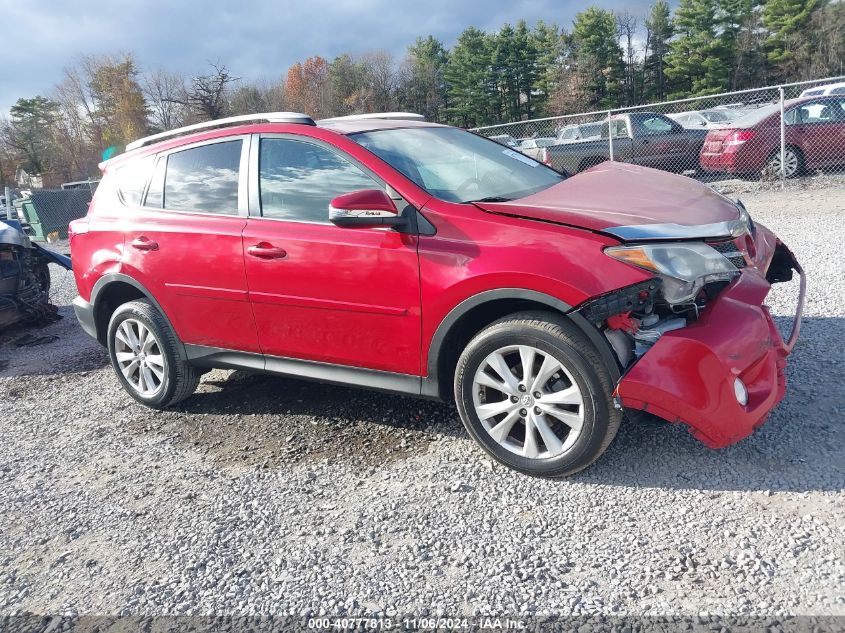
x: 346, y: 296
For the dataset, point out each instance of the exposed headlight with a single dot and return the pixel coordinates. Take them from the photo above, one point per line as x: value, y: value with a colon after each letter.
x: 684, y: 267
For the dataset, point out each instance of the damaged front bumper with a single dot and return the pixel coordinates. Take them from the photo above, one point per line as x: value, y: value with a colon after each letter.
x: 689, y: 375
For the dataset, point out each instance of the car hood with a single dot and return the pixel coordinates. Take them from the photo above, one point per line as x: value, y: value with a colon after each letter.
x: 630, y: 202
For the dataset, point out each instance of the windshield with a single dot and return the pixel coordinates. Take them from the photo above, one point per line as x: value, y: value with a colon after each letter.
x: 458, y: 166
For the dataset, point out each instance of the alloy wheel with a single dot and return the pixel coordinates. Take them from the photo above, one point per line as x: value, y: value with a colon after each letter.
x: 528, y: 402
x: 790, y: 163
x: 139, y: 357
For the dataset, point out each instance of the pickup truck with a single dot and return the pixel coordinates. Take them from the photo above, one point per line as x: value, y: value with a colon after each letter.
x: 644, y: 138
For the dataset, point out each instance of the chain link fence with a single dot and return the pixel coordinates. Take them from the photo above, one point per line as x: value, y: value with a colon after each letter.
x: 772, y: 133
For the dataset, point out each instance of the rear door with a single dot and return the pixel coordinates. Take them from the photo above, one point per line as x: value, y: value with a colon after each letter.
x: 346, y: 296
x: 185, y: 246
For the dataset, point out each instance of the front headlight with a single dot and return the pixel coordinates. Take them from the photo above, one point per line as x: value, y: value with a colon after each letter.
x: 744, y: 223
x: 684, y: 267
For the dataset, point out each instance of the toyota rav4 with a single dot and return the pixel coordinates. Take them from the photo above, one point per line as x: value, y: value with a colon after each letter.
x: 390, y: 253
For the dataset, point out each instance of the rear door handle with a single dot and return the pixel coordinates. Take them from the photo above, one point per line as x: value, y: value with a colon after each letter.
x: 265, y: 250
x: 143, y: 243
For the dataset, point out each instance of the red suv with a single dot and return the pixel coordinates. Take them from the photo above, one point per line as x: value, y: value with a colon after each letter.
x: 390, y: 253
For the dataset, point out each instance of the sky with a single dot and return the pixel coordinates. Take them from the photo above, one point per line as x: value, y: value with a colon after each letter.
x: 254, y: 38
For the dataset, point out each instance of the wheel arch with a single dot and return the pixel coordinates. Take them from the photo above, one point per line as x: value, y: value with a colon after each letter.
x: 476, y: 312
x: 113, y: 290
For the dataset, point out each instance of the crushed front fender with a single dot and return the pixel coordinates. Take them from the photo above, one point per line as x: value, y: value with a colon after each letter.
x: 688, y: 375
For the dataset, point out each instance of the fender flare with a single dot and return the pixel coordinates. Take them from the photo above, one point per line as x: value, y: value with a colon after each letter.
x: 110, y: 278
x: 431, y: 383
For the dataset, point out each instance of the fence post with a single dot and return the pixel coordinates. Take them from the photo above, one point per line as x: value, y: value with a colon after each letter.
x: 609, y: 135
x: 782, y: 141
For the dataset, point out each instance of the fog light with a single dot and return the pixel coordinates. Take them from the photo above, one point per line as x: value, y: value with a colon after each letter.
x: 740, y: 392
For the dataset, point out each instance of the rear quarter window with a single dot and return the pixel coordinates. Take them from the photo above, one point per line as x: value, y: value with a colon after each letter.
x: 131, y: 179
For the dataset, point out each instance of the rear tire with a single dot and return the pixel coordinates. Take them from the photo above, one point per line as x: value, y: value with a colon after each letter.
x: 793, y: 162
x: 147, y: 357
x: 546, y: 426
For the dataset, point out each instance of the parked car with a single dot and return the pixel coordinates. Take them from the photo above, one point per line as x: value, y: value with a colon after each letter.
x: 532, y: 146
x: 579, y: 132
x: 424, y: 260
x: 643, y: 138
x: 505, y: 139
x: 708, y: 119
x: 814, y: 138
x: 829, y: 89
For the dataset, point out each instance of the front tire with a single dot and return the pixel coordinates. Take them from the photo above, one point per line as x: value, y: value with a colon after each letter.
x: 552, y: 420
x: 147, y: 356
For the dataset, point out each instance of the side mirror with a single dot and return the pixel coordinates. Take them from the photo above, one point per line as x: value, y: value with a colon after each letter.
x: 363, y: 208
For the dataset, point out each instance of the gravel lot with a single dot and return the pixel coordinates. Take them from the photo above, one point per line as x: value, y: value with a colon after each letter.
x: 263, y: 495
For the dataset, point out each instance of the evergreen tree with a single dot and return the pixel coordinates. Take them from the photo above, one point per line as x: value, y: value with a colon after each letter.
x: 29, y: 132
x: 425, y: 87
x: 659, y: 29
x: 785, y: 21
x: 698, y: 62
x: 526, y: 63
x: 472, y: 84
x: 552, y: 47
x: 598, y: 57
x: 744, y: 34
x: 506, y: 69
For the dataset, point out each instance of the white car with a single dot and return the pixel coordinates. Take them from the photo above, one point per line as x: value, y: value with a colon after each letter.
x: 713, y: 119
x: 829, y: 89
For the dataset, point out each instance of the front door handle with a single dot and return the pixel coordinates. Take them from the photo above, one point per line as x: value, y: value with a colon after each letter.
x: 143, y: 243
x: 265, y: 250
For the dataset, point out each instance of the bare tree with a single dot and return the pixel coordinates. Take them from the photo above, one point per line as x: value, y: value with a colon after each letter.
x: 166, y: 96
x: 208, y: 95
x: 381, y: 76
x: 627, y: 25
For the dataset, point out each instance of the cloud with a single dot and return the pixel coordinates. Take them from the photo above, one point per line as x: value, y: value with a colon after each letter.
x: 257, y: 38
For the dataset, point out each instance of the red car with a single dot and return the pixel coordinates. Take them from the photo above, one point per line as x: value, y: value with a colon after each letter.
x: 815, y: 138
x: 390, y: 253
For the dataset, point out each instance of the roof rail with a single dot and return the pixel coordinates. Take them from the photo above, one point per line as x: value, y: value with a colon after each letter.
x: 398, y: 116
x: 265, y: 117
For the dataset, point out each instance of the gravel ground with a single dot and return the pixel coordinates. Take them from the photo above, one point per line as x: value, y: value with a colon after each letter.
x: 262, y: 495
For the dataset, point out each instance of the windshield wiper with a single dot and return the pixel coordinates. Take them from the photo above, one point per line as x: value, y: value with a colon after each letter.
x: 492, y: 199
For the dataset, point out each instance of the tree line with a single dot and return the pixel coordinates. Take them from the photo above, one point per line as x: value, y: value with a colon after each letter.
x: 606, y: 59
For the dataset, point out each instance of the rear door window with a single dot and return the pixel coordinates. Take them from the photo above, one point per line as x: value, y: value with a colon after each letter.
x: 204, y: 179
